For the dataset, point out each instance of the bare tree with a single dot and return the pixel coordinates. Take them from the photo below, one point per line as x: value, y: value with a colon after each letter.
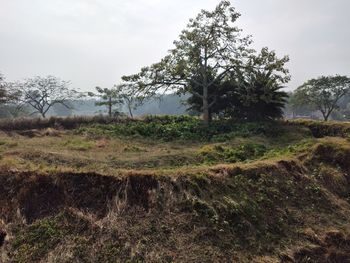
x: 41, y: 93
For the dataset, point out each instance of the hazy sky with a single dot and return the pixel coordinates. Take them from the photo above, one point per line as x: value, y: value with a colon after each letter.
x: 95, y: 42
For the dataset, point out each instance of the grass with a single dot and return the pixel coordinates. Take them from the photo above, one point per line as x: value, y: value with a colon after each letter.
x: 154, y: 143
x: 78, y: 144
x: 244, y: 191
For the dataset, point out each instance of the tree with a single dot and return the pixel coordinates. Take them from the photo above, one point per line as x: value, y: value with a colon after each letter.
x: 41, y: 93
x: 251, y: 92
x: 259, y: 86
x: 130, y: 97
x: 208, y: 50
x: 108, y: 98
x: 323, y: 93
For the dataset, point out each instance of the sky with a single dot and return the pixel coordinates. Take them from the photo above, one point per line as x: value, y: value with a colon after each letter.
x: 95, y: 42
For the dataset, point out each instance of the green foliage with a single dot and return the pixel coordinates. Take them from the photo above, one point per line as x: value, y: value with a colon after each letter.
x: 251, y: 207
x: 33, y: 242
x: 108, y: 98
x: 211, y: 50
x: 322, y: 93
x: 241, y: 153
x: 169, y: 128
x: 299, y: 147
x: 251, y: 93
x: 258, y: 98
x: 21, y: 124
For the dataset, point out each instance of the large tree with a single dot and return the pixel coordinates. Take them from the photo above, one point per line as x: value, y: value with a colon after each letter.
x: 323, y: 93
x: 41, y: 93
x: 209, y: 49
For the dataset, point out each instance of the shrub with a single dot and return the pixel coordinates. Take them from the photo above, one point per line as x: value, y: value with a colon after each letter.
x: 170, y: 128
x: 55, y: 122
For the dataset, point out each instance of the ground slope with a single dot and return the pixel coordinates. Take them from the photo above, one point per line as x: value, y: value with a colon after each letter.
x: 286, y: 203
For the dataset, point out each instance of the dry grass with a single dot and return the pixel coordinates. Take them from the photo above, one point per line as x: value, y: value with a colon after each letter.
x: 163, y: 199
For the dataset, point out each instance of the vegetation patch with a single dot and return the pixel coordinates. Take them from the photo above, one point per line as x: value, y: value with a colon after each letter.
x: 168, y: 128
x: 248, y: 151
x: 321, y: 129
x: 78, y: 144
x: 32, y: 243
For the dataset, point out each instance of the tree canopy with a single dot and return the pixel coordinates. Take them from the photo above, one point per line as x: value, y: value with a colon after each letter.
x: 210, y: 49
x: 252, y: 92
x: 41, y: 93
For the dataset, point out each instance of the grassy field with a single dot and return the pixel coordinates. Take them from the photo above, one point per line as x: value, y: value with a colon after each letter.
x: 112, y: 148
x: 167, y: 189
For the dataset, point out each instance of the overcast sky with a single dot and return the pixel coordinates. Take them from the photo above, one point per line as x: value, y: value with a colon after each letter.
x: 95, y: 42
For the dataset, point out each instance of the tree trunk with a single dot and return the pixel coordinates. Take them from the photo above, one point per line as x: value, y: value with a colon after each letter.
x: 325, y: 116
x: 206, y: 115
x: 130, y: 111
x: 43, y: 114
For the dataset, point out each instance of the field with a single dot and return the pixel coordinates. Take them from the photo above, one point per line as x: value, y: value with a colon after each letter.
x: 167, y: 189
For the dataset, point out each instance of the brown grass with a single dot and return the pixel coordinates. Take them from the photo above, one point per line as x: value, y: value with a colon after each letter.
x: 71, y: 198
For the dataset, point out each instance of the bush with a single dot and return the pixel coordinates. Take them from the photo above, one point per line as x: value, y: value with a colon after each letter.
x: 55, y: 122
x: 169, y: 128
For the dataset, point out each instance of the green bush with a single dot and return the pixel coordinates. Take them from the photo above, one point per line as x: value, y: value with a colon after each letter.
x: 55, y: 122
x: 170, y: 128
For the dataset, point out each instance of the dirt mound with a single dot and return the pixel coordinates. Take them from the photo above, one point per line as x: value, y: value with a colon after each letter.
x: 333, y: 153
x: 223, y: 214
x: 329, y: 163
x: 34, y: 196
